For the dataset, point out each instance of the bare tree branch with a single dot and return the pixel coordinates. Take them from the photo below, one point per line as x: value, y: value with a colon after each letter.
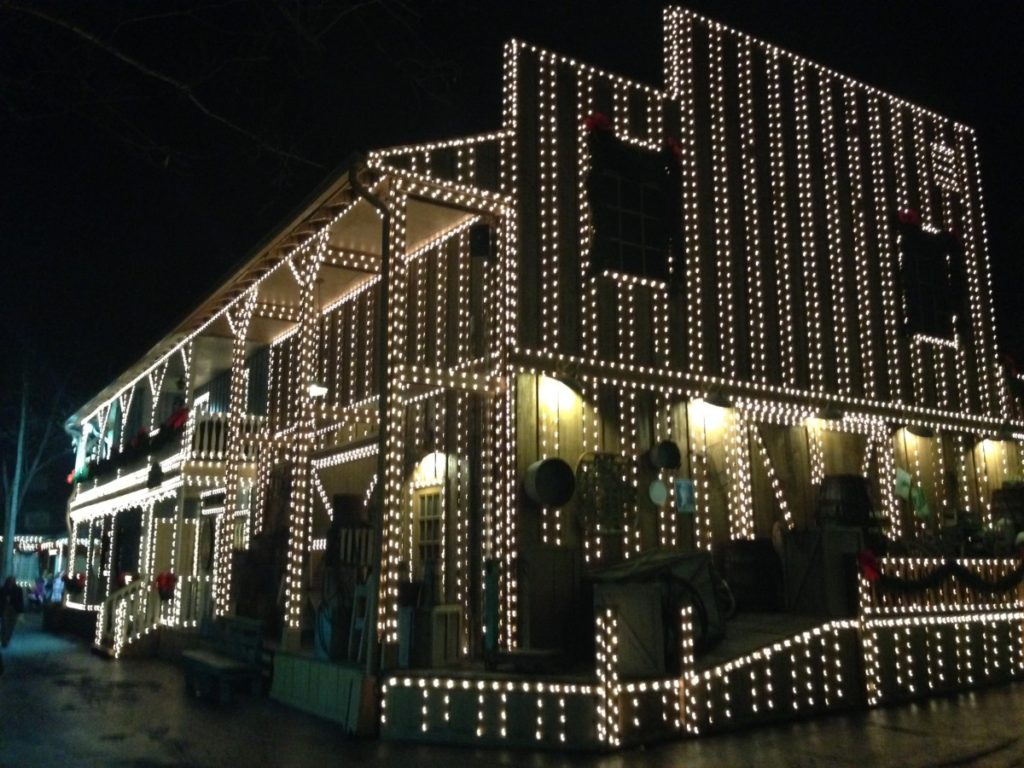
x: 352, y: 9
x: 177, y: 13
x: 45, y: 455
x: 182, y: 88
x: 296, y: 24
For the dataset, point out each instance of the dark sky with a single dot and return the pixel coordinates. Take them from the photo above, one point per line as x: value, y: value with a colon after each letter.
x: 147, y: 148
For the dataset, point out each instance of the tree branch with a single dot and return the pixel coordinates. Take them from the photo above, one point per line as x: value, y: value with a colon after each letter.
x: 182, y: 88
x: 176, y: 13
x: 37, y: 462
x: 330, y: 25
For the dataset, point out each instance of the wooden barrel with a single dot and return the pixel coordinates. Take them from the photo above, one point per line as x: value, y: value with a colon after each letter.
x: 665, y: 455
x: 844, y: 500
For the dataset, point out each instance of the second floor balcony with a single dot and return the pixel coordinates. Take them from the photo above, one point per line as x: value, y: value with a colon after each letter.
x: 199, y: 444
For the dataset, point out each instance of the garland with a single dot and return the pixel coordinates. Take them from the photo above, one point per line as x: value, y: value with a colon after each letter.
x: 950, y: 569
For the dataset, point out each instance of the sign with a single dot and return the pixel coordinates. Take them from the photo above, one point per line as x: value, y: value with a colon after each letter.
x: 686, y: 497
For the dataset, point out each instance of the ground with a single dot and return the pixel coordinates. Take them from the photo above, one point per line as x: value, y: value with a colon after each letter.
x: 62, y: 706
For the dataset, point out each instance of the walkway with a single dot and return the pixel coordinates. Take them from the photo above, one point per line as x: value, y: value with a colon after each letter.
x: 61, y: 706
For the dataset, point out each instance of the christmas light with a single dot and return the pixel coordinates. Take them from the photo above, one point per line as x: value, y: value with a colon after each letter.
x: 784, y: 302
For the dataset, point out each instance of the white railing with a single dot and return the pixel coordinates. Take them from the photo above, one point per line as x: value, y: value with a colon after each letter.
x: 126, y: 615
x: 137, y: 609
x: 210, y: 436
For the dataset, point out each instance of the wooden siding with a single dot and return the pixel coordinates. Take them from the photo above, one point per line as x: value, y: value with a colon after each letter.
x: 792, y: 179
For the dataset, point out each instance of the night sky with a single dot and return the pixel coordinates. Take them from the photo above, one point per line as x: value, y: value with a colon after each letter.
x: 147, y: 148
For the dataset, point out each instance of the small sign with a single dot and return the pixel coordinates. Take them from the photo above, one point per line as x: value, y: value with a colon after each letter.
x: 686, y: 498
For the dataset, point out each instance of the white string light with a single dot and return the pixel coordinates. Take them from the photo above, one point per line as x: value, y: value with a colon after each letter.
x: 454, y: 365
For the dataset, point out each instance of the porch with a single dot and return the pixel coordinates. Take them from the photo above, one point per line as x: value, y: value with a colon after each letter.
x: 963, y: 629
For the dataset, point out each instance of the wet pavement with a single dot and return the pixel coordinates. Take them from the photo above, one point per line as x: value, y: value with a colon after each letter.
x: 62, y: 706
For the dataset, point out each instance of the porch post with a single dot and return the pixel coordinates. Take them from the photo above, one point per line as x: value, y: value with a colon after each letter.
x: 239, y: 318
x: 307, y: 270
x: 177, y: 561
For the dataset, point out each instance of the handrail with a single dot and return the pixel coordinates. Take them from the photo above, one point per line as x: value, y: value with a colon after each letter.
x: 210, y: 436
x: 127, y: 614
x: 136, y: 609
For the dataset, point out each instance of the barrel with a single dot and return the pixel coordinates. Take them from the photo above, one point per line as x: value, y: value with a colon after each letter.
x: 665, y: 455
x: 550, y: 482
x: 844, y: 500
x: 753, y: 571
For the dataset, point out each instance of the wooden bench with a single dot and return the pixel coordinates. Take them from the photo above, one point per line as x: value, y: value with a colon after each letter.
x: 231, y: 656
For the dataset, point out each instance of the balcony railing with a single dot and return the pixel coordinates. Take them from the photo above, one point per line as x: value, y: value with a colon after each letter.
x: 210, y: 436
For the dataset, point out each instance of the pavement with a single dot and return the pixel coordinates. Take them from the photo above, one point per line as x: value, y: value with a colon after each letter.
x: 62, y: 706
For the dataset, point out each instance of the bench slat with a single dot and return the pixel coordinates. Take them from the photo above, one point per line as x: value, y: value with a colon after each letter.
x: 233, y: 653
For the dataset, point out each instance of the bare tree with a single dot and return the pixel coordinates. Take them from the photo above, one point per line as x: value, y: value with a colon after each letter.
x: 31, y: 446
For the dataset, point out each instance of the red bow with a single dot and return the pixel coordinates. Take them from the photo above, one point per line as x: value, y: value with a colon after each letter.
x: 868, y: 564
x: 674, y: 146
x: 597, y: 121
x: 909, y: 216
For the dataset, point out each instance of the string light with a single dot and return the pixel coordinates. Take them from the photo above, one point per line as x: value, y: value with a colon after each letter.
x: 461, y: 350
x: 723, y: 245
x: 884, y: 248
x: 780, y: 222
x: 755, y: 256
x: 808, y: 247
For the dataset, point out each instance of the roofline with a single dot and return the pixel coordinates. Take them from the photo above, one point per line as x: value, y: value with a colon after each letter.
x: 333, y: 183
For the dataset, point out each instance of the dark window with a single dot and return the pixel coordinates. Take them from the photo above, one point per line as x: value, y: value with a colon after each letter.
x: 259, y: 371
x: 136, y: 414
x: 219, y: 389
x: 933, y: 281
x: 635, y: 207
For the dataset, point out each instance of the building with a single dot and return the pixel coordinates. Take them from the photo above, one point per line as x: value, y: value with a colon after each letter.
x: 508, y: 398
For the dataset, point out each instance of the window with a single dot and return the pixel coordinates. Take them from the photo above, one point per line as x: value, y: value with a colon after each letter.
x: 933, y: 281
x: 217, y: 390
x: 259, y: 371
x: 429, y: 543
x: 635, y: 207
x: 944, y: 167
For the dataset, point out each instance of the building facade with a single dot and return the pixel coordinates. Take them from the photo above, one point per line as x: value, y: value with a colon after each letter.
x: 456, y: 424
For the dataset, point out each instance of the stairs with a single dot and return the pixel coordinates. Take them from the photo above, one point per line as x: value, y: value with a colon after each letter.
x: 128, y: 619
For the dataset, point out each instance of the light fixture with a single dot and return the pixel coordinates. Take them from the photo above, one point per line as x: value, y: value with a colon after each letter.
x: 829, y: 412
x: 920, y: 430
x: 718, y: 399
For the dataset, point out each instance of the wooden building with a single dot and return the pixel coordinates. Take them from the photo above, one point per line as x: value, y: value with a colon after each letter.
x: 463, y: 423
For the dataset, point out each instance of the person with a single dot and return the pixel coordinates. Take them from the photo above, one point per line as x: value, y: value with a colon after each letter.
x: 12, y: 603
x: 35, y: 595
